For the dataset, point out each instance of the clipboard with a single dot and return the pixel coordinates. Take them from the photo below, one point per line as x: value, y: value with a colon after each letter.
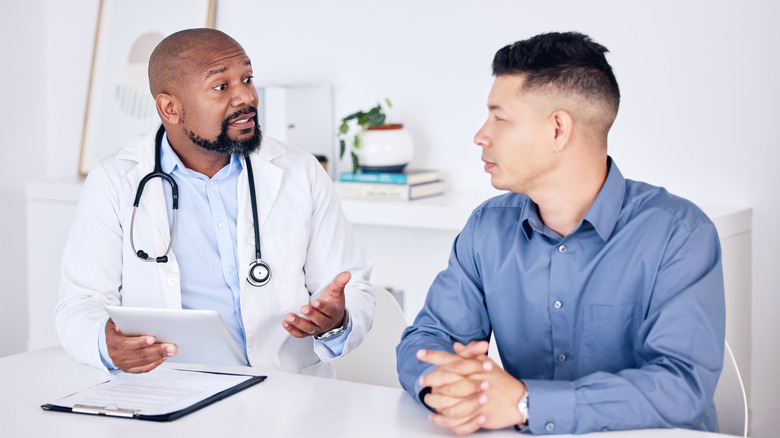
x: 74, y: 403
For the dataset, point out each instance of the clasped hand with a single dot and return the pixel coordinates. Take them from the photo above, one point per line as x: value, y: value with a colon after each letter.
x: 469, y: 391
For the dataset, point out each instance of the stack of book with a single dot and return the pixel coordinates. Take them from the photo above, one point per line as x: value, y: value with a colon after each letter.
x: 403, y: 186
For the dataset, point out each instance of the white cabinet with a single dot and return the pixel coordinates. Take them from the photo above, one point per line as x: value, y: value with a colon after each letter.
x: 50, y: 210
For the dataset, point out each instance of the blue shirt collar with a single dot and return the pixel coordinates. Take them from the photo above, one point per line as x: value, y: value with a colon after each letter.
x: 170, y: 163
x: 602, y: 215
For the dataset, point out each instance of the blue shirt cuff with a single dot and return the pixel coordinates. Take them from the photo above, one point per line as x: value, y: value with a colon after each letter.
x: 550, y: 406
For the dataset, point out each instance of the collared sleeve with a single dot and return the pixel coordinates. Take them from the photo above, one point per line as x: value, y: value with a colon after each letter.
x: 454, y: 310
x: 91, y: 269
x: 681, y: 344
x: 333, y: 248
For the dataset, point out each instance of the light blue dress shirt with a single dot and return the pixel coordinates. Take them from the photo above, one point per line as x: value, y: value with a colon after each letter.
x: 619, y: 325
x: 205, y: 245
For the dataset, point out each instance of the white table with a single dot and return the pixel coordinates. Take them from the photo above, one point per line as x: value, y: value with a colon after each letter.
x: 285, y: 405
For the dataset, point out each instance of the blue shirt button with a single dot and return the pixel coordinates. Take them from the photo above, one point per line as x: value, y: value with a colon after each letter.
x: 549, y: 426
x: 562, y: 248
x: 561, y: 357
x: 557, y: 304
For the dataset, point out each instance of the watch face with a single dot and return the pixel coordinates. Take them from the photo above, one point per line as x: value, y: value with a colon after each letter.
x: 330, y: 333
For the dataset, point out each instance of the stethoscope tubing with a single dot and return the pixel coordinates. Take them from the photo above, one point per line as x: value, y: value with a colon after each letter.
x: 257, y: 266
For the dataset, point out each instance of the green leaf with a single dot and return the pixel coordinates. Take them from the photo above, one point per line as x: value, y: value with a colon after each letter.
x: 352, y: 116
x: 363, y: 119
x: 389, y: 105
x: 376, y: 119
x: 342, y: 148
x: 357, y: 144
x: 355, y: 163
x: 344, y: 128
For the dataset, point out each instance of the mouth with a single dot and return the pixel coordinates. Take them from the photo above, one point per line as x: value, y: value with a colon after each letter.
x: 489, y: 166
x: 242, y: 121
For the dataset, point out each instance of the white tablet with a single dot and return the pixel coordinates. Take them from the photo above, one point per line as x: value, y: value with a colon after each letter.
x: 201, y: 336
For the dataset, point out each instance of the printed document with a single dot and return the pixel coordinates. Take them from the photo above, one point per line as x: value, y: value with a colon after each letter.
x: 158, y: 392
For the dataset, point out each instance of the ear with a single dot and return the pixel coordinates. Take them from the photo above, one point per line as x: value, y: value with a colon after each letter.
x: 168, y: 107
x: 562, y: 124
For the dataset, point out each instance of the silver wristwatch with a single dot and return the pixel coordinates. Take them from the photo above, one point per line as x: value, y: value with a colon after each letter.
x: 331, y: 333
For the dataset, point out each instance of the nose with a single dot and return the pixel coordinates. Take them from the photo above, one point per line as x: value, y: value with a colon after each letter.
x: 481, y: 138
x: 244, y: 95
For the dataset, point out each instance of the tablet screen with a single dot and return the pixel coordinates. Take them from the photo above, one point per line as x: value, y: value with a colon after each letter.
x: 201, y: 336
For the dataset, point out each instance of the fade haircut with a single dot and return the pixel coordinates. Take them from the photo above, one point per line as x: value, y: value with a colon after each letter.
x: 169, y: 59
x: 568, y: 63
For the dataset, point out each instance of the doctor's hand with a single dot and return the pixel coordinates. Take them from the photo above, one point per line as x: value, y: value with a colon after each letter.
x: 322, y: 314
x: 135, y: 354
x: 469, y: 391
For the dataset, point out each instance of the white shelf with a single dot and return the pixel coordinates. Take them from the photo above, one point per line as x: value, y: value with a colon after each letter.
x: 450, y: 212
x: 447, y: 212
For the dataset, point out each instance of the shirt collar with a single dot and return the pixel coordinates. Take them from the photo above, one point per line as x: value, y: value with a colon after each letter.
x: 602, y: 215
x: 170, y: 163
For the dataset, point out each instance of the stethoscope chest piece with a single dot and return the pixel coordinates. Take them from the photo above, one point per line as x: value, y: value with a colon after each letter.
x: 259, y: 273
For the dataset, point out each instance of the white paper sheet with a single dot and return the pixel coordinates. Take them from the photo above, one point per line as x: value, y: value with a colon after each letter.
x: 158, y: 392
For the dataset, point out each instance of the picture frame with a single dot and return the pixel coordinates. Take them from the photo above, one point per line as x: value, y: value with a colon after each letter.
x: 119, y: 104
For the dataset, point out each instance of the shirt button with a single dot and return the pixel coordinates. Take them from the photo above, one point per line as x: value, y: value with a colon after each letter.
x: 561, y: 357
x: 172, y: 281
x: 230, y: 269
x: 605, y: 429
x: 221, y: 225
x: 211, y: 182
x: 557, y: 304
x: 562, y: 248
x: 549, y: 426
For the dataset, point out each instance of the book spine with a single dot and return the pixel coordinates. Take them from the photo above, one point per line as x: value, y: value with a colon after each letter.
x: 387, y: 192
x: 377, y: 178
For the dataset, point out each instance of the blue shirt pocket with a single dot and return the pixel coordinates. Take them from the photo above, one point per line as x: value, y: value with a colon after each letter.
x: 609, y: 336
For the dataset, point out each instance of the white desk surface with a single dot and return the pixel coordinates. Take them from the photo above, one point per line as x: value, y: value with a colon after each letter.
x: 285, y: 405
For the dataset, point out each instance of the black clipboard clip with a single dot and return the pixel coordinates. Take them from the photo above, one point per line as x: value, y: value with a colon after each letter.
x: 111, y: 410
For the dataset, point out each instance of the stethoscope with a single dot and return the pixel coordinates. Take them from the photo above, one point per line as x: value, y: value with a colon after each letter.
x: 259, y: 271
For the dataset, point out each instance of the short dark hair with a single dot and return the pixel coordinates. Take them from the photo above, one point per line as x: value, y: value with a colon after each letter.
x: 568, y: 61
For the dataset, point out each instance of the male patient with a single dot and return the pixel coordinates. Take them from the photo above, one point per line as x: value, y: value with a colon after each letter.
x: 604, y: 295
x: 201, y: 80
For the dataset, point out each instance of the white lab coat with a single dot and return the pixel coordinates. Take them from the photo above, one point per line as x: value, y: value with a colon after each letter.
x: 305, y: 238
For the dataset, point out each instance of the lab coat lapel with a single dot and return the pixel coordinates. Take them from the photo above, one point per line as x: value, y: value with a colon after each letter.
x: 152, y: 204
x: 268, y: 182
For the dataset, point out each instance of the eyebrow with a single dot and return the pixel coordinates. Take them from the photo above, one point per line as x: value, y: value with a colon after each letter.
x: 223, y: 69
x: 215, y: 72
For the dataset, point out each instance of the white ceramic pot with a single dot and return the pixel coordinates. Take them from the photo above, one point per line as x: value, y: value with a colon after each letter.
x: 386, y: 148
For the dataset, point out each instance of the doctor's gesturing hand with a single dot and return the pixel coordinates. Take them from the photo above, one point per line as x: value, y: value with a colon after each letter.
x: 322, y: 314
x: 135, y: 354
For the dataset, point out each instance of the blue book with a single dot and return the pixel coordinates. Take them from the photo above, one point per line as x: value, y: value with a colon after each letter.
x: 409, y: 177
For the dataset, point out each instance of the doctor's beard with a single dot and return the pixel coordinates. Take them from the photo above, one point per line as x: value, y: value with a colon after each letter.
x: 227, y: 146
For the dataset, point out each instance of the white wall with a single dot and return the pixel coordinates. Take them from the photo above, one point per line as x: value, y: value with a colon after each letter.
x: 23, y: 126
x: 698, y: 115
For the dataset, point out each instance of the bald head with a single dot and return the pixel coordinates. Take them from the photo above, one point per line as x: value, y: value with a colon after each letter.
x: 177, y: 54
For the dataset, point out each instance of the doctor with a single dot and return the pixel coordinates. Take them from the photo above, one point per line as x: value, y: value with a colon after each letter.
x: 317, y: 303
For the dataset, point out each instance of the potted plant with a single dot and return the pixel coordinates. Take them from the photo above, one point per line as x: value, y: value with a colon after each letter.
x: 377, y: 146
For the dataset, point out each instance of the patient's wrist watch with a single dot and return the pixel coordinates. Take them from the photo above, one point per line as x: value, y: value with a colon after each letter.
x: 523, y: 408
